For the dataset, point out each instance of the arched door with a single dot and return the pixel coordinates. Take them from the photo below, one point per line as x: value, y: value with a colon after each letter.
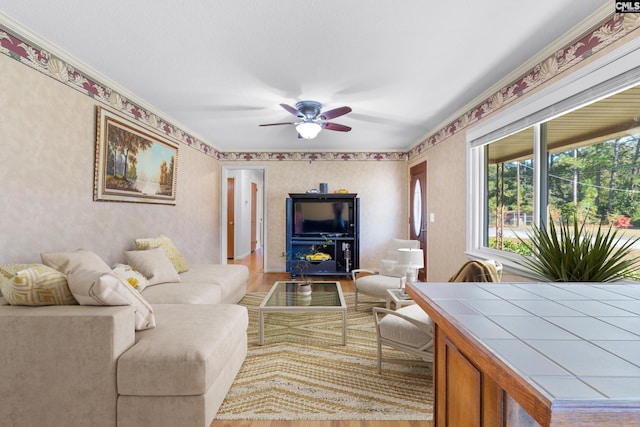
x: 418, y: 211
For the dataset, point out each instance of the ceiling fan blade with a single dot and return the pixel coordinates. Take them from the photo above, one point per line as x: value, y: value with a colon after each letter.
x: 336, y: 126
x: 336, y: 112
x: 278, y: 124
x: 292, y: 110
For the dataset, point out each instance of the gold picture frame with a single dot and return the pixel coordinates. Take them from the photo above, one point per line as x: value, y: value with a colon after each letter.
x: 132, y: 163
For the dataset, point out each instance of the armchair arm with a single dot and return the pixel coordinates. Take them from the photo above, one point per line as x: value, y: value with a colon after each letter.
x: 362, y: 270
x: 378, y: 311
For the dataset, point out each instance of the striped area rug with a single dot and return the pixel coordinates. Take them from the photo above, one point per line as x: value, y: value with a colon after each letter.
x: 302, y: 372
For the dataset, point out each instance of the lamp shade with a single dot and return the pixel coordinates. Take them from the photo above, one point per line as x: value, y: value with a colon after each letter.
x: 308, y: 130
x: 411, y: 257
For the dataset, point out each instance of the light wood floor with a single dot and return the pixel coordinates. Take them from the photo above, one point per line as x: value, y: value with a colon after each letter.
x: 259, y: 281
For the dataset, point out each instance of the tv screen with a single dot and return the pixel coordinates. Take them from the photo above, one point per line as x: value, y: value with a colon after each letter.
x: 322, y: 217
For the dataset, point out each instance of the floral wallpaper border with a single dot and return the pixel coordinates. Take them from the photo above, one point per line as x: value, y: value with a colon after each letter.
x: 610, y: 30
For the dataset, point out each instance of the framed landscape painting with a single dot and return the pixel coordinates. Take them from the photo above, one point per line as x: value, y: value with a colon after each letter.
x: 132, y: 163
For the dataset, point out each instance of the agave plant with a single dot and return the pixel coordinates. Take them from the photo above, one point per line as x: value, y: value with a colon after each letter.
x: 577, y: 254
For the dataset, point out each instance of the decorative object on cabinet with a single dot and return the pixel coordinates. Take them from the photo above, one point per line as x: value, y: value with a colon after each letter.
x: 132, y: 164
x: 311, y: 254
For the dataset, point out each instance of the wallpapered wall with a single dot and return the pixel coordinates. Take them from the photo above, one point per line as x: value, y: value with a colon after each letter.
x: 46, y: 170
x: 47, y: 134
x: 446, y: 189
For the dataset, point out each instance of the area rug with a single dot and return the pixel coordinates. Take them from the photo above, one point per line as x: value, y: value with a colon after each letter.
x: 303, y: 372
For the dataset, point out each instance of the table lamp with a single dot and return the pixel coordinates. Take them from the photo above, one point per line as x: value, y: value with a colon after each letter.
x: 413, y: 259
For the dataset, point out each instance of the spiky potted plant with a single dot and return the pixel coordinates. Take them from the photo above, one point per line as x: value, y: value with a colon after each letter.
x: 578, y: 254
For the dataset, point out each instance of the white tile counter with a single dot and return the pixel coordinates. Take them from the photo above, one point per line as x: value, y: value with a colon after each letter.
x: 567, y: 344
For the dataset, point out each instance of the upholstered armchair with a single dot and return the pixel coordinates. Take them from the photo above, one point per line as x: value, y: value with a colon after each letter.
x: 390, y: 275
x: 410, y: 329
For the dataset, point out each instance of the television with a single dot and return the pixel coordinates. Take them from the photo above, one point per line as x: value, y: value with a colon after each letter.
x: 314, y: 218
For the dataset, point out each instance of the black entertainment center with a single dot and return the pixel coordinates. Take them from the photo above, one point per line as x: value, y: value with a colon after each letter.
x: 323, y: 234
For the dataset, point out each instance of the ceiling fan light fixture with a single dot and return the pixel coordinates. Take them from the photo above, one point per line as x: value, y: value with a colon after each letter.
x: 308, y: 130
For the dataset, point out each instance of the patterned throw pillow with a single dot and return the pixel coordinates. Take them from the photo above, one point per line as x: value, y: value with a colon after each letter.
x: 131, y: 276
x: 7, y: 271
x: 172, y: 252
x: 34, y: 285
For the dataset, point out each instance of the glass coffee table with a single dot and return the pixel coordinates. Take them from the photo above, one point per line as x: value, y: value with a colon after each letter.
x: 285, y: 298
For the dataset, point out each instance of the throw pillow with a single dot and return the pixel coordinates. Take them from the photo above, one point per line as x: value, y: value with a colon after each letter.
x: 7, y: 271
x: 38, y: 285
x: 172, y: 252
x: 67, y: 262
x: 92, y: 287
x: 131, y: 276
x: 154, y: 265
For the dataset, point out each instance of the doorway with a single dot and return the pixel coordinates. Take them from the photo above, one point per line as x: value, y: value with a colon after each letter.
x: 243, y: 213
x: 418, y: 211
x: 231, y: 215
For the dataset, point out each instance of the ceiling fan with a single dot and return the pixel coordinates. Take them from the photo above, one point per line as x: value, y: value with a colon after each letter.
x: 313, y: 119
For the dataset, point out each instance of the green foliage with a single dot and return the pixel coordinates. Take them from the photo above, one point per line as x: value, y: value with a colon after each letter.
x: 516, y: 247
x: 573, y: 253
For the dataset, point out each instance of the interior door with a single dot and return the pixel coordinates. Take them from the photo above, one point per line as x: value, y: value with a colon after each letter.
x: 418, y: 211
x: 231, y: 202
x: 254, y: 216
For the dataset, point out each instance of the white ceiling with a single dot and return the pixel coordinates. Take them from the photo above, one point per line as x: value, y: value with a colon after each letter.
x: 220, y: 68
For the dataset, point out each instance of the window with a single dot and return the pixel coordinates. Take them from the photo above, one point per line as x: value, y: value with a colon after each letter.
x: 578, y: 155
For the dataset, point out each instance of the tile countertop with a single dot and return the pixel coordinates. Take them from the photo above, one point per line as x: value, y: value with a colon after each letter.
x: 571, y: 341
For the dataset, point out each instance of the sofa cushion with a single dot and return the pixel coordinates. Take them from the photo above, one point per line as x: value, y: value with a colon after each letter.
x: 172, y: 252
x: 154, y: 265
x: 232, y: 279
x: 37, y: 285
x: 376, y: 285
x: 92, y: 287
x: 183, y: 293
x: 399, y: 330
x: 184, y: 355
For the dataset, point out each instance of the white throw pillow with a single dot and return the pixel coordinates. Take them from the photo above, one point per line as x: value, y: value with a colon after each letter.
x: 172, y: 252
x: 91, y: 287
x: 67, y: 262
x: 131, y: 276
x: 154, y: 265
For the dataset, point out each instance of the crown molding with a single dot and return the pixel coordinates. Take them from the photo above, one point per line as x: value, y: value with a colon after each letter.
x: 29, y: 48
x: 598, y: 31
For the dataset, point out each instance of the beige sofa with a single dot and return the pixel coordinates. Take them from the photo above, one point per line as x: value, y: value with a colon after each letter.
x: 75, y: 365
